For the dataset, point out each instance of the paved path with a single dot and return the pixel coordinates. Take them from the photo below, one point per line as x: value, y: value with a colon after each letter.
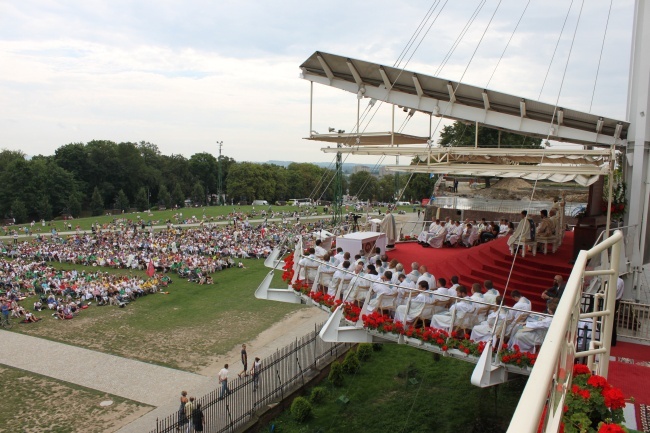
x: 140, y: 381
x: 146, y: 383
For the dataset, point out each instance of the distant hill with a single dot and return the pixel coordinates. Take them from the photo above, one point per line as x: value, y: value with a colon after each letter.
x: 347, y: 166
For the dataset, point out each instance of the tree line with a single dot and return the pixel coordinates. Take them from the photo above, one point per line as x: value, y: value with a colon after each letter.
x: 89, y: 178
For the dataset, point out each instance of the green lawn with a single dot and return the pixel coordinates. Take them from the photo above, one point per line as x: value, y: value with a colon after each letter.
x: 159, y: 328
x: 383, y: 399
x: 35, y: 403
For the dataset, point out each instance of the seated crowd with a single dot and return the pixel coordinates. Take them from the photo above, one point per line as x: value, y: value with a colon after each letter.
x: 66, y: 293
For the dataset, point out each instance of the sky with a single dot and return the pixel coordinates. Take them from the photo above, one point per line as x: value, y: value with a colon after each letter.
x: 185, y: 75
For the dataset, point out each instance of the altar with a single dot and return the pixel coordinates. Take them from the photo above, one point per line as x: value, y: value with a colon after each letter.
x: 361, y: 243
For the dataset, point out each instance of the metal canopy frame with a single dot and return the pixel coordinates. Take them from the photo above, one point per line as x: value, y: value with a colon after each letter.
x: 369, y: 138
x: 458, y: 101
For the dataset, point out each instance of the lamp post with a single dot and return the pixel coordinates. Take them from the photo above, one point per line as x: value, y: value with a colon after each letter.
x: 219, y: 182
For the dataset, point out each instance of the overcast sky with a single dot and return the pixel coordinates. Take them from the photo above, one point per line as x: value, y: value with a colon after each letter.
x: 185, y: 74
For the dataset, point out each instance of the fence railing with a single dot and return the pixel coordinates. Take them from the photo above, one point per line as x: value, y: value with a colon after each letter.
x: 551, y: 378
x: 281, y: 373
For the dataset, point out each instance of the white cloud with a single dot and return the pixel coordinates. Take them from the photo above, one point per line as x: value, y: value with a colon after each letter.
x: 183, y: 75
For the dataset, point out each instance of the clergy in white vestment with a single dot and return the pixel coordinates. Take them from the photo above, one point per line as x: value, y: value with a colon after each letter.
x: 521, y: 303
x: 462, y: 307
x: 325, y: 271
x: 425, y: 297
x: 426, y: 276
x: 415, y: 272
x: 491, y: 293
x: 531, y: 335
x: 454, y: 286
x: 454, y: 234
x: 483, y: 331
x: 470, y: 235
x: 523, y: 230
x: 305, y: 261
x: 318, y: 250
x: 351, y: 292
x: 423, y: 237
x: 384, y: 288
x: 404, y: 286
x: 399, y: 270
x: 339, y: 276
x: 388, y: 226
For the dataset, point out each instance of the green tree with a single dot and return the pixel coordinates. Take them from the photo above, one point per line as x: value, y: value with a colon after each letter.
x: 198, y: 193
x: 364, y: 185
x: 122, y: 201
x: 141, y: 201
x: 420, y: 186
x: 164, y: 198
x: 74, y: 205
x: 44, y: 208
x: 19, y: 211
x: 178, y: 197
x: 97, y: 203
x: 204, y: 168
x: 460, y: 134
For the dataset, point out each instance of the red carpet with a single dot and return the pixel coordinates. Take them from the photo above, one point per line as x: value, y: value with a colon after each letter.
x: 637, y: 352
x: 492, y: 261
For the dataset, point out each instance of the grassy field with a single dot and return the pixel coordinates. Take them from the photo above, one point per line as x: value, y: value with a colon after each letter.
x: 34, y: 403
x: 160, y: 328
x: 155, y: 216
x: 382, y: 398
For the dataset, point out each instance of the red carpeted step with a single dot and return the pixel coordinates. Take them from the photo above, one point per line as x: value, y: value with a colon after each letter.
x: 520, y: 275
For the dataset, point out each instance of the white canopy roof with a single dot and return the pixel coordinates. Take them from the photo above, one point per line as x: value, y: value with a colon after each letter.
x: 556, y: 165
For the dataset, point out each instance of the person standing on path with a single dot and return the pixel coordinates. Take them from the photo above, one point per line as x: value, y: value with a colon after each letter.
x: 182, y: 419
x: 197, y: 418
x: 189, y: 412
x: 223, y: 380
x: 255, y: 371
x: 244, y: 361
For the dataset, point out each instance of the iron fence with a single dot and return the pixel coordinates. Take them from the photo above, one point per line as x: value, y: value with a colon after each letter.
x: 281, y: 373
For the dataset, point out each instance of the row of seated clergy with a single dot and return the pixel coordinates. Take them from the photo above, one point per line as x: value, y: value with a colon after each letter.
x: 461, y: 311
x: 451, y: 233
x: 510, y: 318
x: 427, y: 302
x: 469, y: 315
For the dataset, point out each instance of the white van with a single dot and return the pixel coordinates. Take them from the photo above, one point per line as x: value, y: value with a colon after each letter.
x: 403, y: 203
x: 260, y: 203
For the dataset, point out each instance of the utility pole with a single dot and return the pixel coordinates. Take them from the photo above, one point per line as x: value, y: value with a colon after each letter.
x: 219, y: 181
x: 337, y: 203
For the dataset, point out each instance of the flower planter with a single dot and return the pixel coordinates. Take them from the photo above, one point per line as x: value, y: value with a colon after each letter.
x: 411, y: 341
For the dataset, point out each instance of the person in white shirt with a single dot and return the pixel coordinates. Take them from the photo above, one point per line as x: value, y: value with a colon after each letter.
x: 483, y: 331
x: 223, y: 380
x: 399, y: 270
x: 382, y: 287
x: 338, y: 257
x: 620, y: 288
x: 521, y: 303
x: 423, y: 237
x: 318, y: 250
x: 454, y: 234
x: 454, y: 286
x: 339, y: 276
x: 415, y: 272
x: 470, y: 235
x: 426, y: 276
x: 417, y: 304
x: 462, y: 307
x: 491, y: 293
x: 532, y: 335
x: 403, y: 289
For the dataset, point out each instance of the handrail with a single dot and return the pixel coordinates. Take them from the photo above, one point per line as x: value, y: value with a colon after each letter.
x: 551, y: 377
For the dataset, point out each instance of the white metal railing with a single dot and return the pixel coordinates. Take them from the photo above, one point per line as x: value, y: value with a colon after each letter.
x: 550, y: 379
x: 633, y: 321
